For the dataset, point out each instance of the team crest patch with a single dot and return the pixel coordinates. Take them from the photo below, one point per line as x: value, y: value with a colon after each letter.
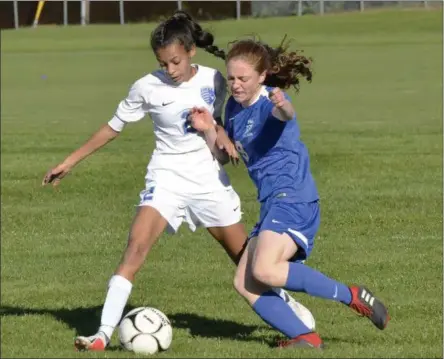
x: 208, y: 95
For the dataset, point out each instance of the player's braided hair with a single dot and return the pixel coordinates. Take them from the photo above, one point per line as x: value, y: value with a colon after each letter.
x: 182, y: 28
x: 284, y: 68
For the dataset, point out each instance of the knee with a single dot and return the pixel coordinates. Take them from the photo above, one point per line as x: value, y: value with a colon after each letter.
x: 245, y: 284
x: 239, y: 283
x: 263, y: 273
x: 248, y: 288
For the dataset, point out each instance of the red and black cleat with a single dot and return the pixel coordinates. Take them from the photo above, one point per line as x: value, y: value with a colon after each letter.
x: 309, y: 340
x: 366, y: 304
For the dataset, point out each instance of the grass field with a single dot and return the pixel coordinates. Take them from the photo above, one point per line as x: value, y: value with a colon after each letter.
x: 372, y: 120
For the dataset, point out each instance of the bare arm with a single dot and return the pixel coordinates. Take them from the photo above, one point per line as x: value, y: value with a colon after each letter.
x: 129, y: 110
x: 285, y: 112
x: 99, y: 139
x: 283, y: 109
x: 217, y: 139
x: 211, y: 137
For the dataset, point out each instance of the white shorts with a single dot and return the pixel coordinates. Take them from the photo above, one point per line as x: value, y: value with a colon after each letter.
x: 221, y: 208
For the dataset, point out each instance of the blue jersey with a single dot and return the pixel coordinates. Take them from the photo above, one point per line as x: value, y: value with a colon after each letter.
x: 276, y: 159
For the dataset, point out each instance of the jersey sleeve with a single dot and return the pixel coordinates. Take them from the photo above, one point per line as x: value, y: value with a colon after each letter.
x: 130, y: 109
x: 220, y: 89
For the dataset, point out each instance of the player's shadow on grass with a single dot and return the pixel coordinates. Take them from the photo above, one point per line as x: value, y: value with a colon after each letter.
x: 85, y: 321
x: 205, y: 327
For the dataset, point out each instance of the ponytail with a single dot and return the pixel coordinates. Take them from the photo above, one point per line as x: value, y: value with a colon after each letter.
x: 182, y: 28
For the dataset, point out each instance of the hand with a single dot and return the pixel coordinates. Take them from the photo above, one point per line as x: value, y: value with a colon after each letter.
x: 223, y: 142
x: 277, y: 97
x: 56, y: 174
x: 201, y: 119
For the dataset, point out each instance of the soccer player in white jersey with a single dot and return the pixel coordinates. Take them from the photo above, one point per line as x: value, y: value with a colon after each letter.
x: 261, y: 121
x: 184, y: 180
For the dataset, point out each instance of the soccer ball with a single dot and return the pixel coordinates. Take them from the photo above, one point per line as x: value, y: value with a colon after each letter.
x: 145, y: 330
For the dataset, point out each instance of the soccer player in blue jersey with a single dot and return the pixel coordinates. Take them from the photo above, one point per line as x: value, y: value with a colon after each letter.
x: 261, y: 121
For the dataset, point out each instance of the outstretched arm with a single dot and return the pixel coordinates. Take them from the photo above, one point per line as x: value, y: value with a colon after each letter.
x: 129, y: 110
x: 99, y: 139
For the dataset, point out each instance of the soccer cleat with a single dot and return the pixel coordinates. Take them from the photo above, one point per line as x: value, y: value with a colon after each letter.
x: 309, y: 340
x: 95, y: 343
x: 367, y: 305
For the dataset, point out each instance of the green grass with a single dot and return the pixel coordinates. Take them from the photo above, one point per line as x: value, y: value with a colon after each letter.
x: 372, y: 120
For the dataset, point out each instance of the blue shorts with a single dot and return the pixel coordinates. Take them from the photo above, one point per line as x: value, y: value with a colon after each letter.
x: 299, y: 220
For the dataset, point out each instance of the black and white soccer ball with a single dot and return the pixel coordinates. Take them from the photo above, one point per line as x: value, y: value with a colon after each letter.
x: 145, y: 330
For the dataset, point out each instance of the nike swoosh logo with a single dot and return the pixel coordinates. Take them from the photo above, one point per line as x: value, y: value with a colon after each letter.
x: 167, y: 103
x: 274, y: 221
x: 236, y: 208
x: 336, y: 292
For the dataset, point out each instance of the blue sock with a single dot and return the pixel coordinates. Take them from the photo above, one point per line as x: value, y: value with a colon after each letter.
x: 305, y: 279
x: 277, y: 313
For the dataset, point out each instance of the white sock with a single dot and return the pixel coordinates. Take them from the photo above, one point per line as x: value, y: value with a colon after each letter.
x: 119, y: 289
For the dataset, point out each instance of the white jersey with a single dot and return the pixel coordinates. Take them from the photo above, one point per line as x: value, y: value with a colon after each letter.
x: 181, y: 160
